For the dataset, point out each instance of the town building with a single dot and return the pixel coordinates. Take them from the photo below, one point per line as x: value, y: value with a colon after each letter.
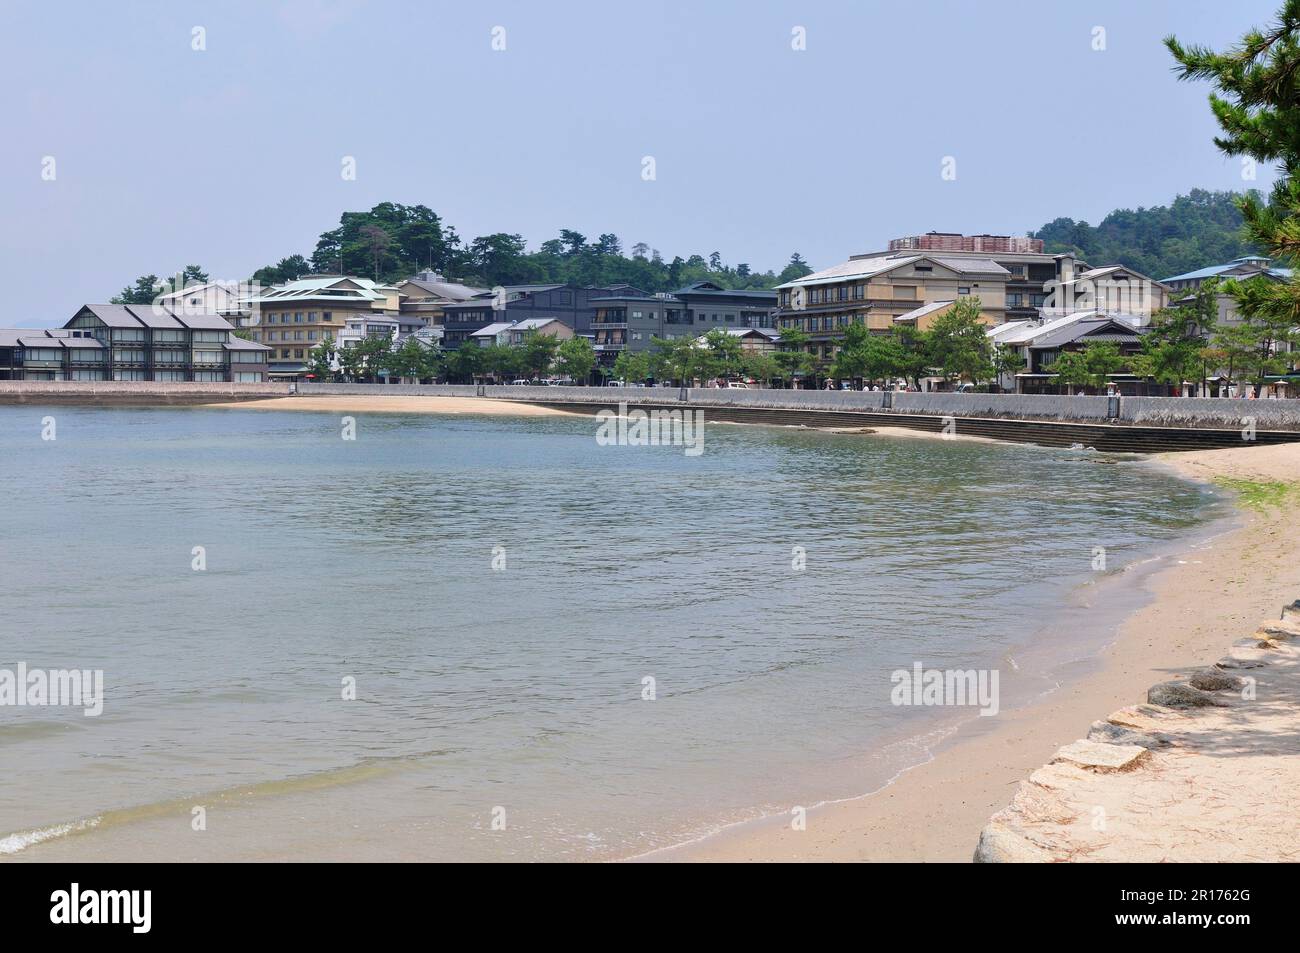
x: 293, y: 318
x: 708, y: 305
x: 1041, y: 343
x: 876, y: 291
x: 230, y: 299
x: 110, y: 342
x: 1249, y: 266
x: 507, y: 333
x: 570, y: 304
x: 632, y: 322
x: 1229, y: 314
x: 426, y: 295
x: 752, y: 339
x: 955, y: 241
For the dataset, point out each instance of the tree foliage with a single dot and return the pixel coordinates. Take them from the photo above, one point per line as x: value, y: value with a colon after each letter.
x: 1194, y: 230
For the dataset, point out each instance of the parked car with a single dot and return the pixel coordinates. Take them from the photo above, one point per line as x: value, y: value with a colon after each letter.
x: 520, y: 383
x: 613, y: 383
x: 737, y: 385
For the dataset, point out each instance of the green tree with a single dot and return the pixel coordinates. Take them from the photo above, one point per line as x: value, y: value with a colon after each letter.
x: 503, y: 362
x: 959, y: 343
x: 574, y: 358
x: 720, y: 355
x: 677, y: 358
x: 537, y: 353
x: 1089, y: 367
x: 144, y: 290
x: 915, y: 357
x: 761, y: 365
x: 285, y: 270
x: 1007, y: 360
x: 1174, y: 347
x: 467, y: 362
x: 320, y: 360
x: 631, y: 366
x: 1256, y: 102
x: 410, y: 360
x: 792, y: 353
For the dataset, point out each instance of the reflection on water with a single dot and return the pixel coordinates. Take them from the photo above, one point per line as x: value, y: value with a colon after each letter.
x: 372, y: 560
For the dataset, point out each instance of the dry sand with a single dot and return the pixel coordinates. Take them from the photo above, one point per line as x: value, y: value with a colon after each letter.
x: 1202, y: 604
x: 374, y: 403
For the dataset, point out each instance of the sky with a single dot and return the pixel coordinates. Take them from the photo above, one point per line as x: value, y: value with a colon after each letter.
x: 232, y: 155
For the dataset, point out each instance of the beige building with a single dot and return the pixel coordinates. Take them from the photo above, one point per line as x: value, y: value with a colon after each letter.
x: 295, y: 317
x: 427, y: 294
x: 877, y: 291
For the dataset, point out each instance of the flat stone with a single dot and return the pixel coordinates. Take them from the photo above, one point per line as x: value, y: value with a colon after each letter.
x: 1112, y: 734
x: 1292, y: 612
x: 998, y: 844
x: 1229, y: 662
x: 1180, y: 695
x: 1211, y: 680
x: 1279, y: 631
x: 1099, y: 756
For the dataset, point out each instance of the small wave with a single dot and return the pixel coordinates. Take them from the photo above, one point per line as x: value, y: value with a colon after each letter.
x: 13, y: 843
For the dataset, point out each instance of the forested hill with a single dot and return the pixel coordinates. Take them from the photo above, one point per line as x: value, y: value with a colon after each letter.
x: 392, y: 241
x: 1195, y: 230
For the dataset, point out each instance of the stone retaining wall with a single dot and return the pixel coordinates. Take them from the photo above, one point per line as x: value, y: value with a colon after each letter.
x: 25, y: 391
x: 1182, y: 412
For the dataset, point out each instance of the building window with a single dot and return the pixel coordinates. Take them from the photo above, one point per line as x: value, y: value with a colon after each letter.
x: 963, y: 289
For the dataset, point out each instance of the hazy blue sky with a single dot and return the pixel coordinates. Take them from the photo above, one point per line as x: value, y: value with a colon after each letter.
x: 231, y: 157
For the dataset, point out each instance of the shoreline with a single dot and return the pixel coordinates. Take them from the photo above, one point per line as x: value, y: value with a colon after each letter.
x: 935, y: 811
x: 395, y: 404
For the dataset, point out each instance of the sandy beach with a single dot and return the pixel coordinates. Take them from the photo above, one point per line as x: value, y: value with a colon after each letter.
x: 395, y: 405
x: 1213, y: 595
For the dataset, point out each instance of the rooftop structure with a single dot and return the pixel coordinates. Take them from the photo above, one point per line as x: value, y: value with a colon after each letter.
x: 955, y: 241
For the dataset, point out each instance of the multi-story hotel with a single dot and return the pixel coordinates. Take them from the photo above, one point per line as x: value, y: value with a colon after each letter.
x: 921, y: 276
x: 632, y: 321
x: 881, y: 291
x: 110, y: 342
x: 293, y: 318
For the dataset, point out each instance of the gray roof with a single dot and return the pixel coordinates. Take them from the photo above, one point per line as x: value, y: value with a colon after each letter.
x: 239, y: 344
x: 1096, y: 329
x: 204, y: 322
x: 113, y: 315
x: 971, y: 266
x: 154, y: 316
x: 921, y: 312
x: 451, y: 290
x: 492, y: 330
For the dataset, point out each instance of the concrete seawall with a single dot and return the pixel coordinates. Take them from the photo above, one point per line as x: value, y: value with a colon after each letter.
x: 1229, y: 419
x: 133, y: 392
x: 1187, y: 412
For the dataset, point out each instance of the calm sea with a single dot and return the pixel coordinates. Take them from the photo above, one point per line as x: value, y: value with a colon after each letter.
x: 506, y: 596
